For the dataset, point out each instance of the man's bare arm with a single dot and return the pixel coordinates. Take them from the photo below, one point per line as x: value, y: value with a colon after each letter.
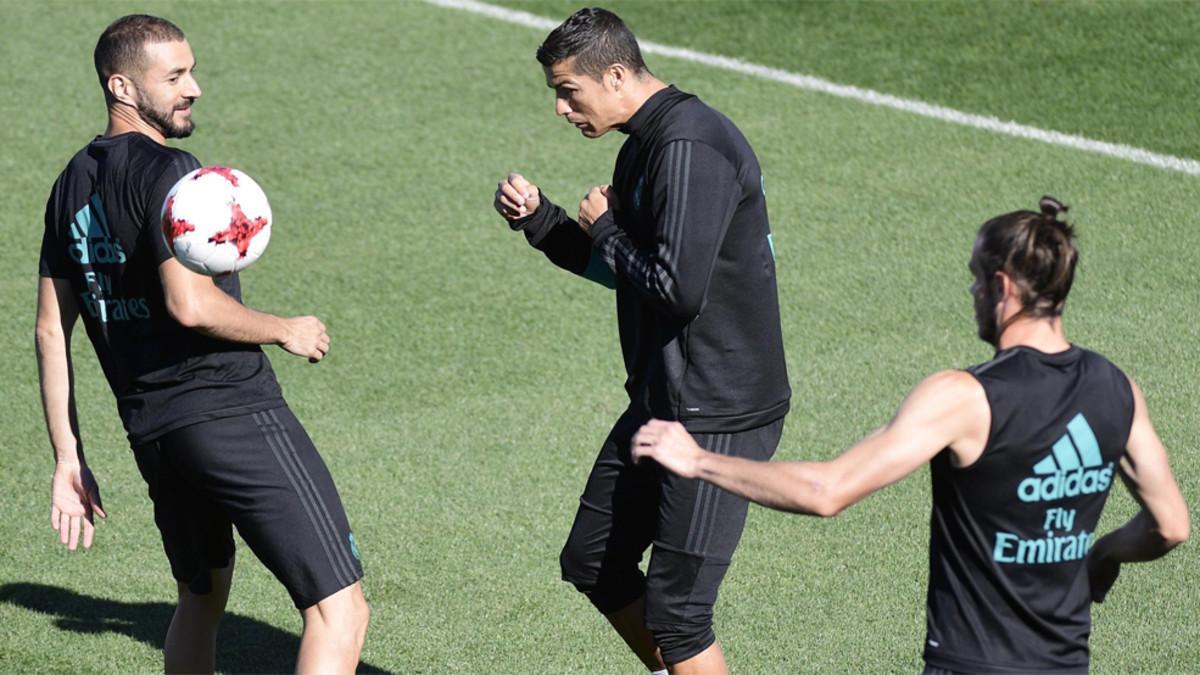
x: 1163, y: 522
x: 197, y: 303
x: 947, y: 410
x: 74, y: 494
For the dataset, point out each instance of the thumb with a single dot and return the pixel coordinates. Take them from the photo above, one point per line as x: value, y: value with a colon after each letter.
x: 94, y: 499
x: 611, y: 195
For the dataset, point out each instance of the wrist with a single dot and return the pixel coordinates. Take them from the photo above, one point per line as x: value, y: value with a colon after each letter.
x: 702, y: 465
x: 602, y: 228
x: 283, y: 332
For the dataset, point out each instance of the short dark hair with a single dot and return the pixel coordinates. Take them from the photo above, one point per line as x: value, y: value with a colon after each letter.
x: 1036, y: 250
x: 597, y: 38
x: 121, y: 48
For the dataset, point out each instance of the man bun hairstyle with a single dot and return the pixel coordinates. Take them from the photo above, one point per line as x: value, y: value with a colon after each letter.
x: 1036, y: 250
x: 597, y: 38
x: 121, y: 47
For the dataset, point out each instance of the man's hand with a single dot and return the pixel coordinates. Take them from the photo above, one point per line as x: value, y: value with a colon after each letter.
x: 306, y: 336
x: 669, y: 444
x: 74, y: 498
x: 1102, y: 574
x: 598, y: 200
x: 516, y: 197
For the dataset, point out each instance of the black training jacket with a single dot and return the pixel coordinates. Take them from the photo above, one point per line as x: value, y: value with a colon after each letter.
x: 688, y: 246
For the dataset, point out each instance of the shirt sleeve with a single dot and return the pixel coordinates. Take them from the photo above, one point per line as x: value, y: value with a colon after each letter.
x: 694, y: 191
x: 54, y: 261
x: 151, y: 233
x: 558, y: 236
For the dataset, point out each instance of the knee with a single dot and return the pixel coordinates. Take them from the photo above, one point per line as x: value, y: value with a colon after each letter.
x: 681, y: 622
x: 342, y: 617
x: 680, y: 637
x: 610, y: 585
x: 358, y: 615
x: 208, y: 605
x: 576, y: 568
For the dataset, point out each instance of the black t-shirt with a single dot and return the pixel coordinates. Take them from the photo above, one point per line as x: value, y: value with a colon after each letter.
x: 103, y: 234
x: 1009, y: 534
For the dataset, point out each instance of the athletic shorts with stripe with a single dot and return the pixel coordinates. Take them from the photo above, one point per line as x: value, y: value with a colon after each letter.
x: 260, y: 473
x: 694, y: 528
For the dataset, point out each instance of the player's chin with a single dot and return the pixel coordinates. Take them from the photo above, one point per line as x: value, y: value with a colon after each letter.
x: 181, y: 130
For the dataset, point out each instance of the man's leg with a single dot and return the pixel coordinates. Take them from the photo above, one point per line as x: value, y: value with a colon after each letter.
x: 191, y: 645
x: 265, y: 473
x: 198, y: 541
x: 711, y: 661
x: 612, y: 529
x: 630, y: 624
x: 699, y: 528
x: 334, y: 630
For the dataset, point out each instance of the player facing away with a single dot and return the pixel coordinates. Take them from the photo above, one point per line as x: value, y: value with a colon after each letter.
x: 211, y: 433
x: 682, y: 234
x: 1023, y: 451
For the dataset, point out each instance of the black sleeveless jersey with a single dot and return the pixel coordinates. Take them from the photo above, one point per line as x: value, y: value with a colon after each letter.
x: 1008, y: 586
x: 103, y: 234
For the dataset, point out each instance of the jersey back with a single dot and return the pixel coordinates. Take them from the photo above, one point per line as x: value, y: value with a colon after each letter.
x: 1008, y: 586
x: 103, y: 234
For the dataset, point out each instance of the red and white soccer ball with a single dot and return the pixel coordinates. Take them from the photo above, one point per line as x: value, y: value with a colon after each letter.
x: 216, y: 220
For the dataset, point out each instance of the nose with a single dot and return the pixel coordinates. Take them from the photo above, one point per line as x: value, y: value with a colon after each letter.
x: 193, y: 88
x: 561, y: 107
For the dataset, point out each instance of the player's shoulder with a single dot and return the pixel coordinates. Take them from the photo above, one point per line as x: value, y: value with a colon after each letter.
x: 81, y: 168
x: 951, y: 384
x: 145, y: 149
x: 693, y: 120
x: 83, y: 159
x: 1096, y: 358
x: 1105, y: 369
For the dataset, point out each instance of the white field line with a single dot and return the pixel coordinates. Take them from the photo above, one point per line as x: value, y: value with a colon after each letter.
x: 810, y: 83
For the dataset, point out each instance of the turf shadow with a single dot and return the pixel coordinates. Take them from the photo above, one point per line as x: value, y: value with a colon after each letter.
x: 245, y: 645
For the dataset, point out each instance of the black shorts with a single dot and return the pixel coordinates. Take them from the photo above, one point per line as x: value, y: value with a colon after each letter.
x: 694, y: 528
x: 260, y: 473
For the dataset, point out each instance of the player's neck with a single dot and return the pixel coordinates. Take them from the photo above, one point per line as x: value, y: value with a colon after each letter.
x: 122, y: 120
x: 640, y: 92
x: 1044, y: 334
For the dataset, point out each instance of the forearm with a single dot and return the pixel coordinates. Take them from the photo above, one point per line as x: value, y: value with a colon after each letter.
x: 693, y: 194
x: 57, y: 391
x: 550, y: 230
x: 227, y: 319
x: 1139, y: 540
x: 796, y: 487
x: 197, y: 303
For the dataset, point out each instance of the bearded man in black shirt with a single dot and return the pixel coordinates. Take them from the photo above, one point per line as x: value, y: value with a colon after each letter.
x: 682, y: 235
x: 212, y: 435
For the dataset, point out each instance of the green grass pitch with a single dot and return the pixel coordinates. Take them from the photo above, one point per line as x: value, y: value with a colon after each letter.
x: 470, y: 383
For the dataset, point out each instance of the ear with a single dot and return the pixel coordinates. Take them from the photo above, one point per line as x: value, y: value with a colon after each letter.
x: 122, y: 89
x: 1005, y: 287
x: 615, y: 76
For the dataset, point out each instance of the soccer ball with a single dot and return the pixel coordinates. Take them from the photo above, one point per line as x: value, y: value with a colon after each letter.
x: 216, y: 220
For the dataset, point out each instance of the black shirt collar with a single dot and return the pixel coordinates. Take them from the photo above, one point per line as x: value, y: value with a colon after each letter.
x: 654, y: 107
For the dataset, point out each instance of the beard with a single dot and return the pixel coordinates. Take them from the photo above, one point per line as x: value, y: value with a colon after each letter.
x: 985, y: 319
x: 162, y: 120
x: 987, y: 329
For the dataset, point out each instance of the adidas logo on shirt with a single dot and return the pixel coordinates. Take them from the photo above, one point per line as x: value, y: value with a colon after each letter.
x: 1074, y: 467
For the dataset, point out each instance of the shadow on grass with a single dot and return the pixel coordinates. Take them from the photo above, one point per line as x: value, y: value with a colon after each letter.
x: 245, y: 645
